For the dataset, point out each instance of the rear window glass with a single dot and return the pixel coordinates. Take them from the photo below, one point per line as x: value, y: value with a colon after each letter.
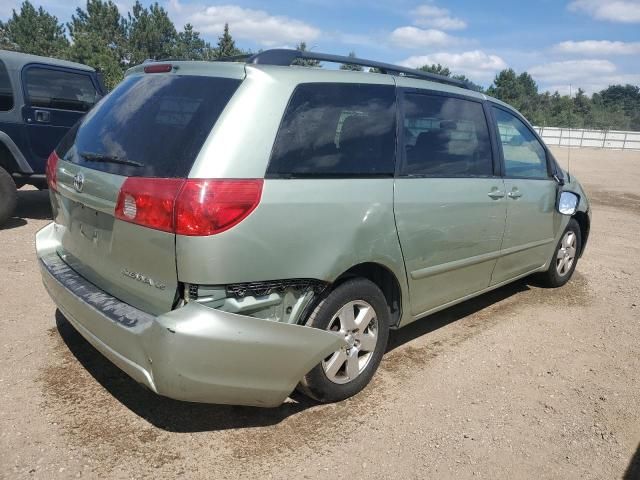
x: 445, y: 137
x: 48, y: 88
x: 6, y: 93
x: 336, y: 129
x: 150, y: 125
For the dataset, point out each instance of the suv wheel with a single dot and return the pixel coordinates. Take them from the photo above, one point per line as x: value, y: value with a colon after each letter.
x: 565, y: 257
x: 358, y: 310
x: 8, y: 196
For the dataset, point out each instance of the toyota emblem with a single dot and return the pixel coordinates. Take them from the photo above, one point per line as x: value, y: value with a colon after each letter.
x: 78, y: 182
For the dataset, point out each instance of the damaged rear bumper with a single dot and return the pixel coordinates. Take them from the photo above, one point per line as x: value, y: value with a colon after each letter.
x: 193, y: 353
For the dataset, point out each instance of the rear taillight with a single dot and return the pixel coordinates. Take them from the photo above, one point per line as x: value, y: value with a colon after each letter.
x: 51, y: 171
x: 207, y: 207
x: 195, y: 207
x: 148, y: 201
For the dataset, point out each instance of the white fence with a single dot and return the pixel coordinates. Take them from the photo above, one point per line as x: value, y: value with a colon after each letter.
x: 575, y: 137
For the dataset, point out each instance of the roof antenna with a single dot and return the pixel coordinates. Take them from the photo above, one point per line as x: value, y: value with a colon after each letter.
x: 569, y: 146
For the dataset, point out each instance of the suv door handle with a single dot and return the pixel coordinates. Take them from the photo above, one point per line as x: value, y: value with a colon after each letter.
x: 496, y: 194
x: 514, y: 194
x: 42, y: 116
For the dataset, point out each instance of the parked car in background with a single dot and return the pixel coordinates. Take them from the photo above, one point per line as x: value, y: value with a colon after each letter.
x: 224, y: 232
x: 40, y: 99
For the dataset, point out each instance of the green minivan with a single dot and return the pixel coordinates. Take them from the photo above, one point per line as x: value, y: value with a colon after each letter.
x: 229, y: 231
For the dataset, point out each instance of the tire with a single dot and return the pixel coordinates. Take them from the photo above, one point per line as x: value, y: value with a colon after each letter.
x: 561, y: 269
x: 347, y: 371
x: 8, y: 196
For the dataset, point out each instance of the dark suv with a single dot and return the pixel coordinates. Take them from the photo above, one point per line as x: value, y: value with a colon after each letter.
x: 40, y: 99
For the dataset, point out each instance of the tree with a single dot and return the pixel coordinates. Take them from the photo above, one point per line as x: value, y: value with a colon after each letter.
x: 505, y: 86
x: 305, y: 62
x: 521, y: 91
x: 227, y: 45
x: 99, y: 39
x: 151, y: 33
x: 626, y: 98
x: 189, y: 46
x: 581, y: 104
x: 437, y: 69
x: 351, y: 66
x: 34, y: 31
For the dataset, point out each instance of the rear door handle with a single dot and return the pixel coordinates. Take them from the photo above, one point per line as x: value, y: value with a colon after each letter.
x: 515, y: 194
x: 42, y: 116
x: 496, y: 194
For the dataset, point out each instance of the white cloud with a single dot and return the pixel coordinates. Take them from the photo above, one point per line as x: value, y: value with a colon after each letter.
x: 244, y: 23
x: 571, y: 71
x: 623, y: 11
x: 598, y: 47
x: 436, y: 17
x: 476, y: 64
x: 592, y: 84
x: 590, y: 75
x: 413, y: 37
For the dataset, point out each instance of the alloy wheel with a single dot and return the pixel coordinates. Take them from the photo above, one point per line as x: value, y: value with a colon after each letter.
x: 358, y: 322
x: 566, y: 253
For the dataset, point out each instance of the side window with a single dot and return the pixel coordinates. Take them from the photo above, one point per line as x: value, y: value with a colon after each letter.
x: 6, y: 92
x: 445, y: 137
x: 336, y: 129
x: 49, y: 88
x: 524, y: 155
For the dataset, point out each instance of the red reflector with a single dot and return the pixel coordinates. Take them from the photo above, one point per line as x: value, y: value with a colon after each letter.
x: 51, y: 171
x: 158, y: 68
x: 207, y: 207
x: 194, y: 207
x: 148, y: 201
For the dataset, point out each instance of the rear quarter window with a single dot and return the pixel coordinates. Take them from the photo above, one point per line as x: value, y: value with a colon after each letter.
x: 63, y: 90
x: 6, y: 92
x: 336, y: 129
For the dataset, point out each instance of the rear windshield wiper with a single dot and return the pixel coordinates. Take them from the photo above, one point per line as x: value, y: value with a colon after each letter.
x: 102, y: 157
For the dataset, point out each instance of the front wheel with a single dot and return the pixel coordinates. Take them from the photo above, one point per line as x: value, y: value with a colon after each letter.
x: 357, y: 310
x: 565, y: 257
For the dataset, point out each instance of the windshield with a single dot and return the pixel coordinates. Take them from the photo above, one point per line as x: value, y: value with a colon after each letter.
x: 149, y: 126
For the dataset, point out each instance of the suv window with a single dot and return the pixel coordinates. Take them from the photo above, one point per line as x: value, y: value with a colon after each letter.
x: 336, y: 129
x: 6, y: 92
x: 445, y: 137
x: 48, y: 88
x: 157, y: 121
x: 524, y: 156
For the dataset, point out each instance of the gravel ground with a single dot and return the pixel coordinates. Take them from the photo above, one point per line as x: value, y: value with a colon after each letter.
x: 522, y: 382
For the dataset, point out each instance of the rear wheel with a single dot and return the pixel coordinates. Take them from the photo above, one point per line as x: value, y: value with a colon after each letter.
x: 357, y: 310
x: 565, y: 257
x: 8, y: 196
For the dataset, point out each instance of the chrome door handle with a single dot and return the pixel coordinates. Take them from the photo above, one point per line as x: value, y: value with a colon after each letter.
x: 514, y: 194
x: 496, y: 194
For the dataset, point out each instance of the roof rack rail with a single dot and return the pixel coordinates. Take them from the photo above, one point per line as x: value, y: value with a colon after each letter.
x: 285, y: 57
x: 235, y: 58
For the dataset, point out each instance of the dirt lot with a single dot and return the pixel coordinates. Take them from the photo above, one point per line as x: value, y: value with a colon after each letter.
x: 519, y: 383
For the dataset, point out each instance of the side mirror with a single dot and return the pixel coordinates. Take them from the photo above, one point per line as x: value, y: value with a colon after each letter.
x: 568, y: 203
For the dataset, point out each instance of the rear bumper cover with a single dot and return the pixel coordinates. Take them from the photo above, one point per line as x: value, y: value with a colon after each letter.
x: 193, y: 353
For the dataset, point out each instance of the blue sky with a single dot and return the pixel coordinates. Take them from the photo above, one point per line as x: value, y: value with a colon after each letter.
x: 586, y: 43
